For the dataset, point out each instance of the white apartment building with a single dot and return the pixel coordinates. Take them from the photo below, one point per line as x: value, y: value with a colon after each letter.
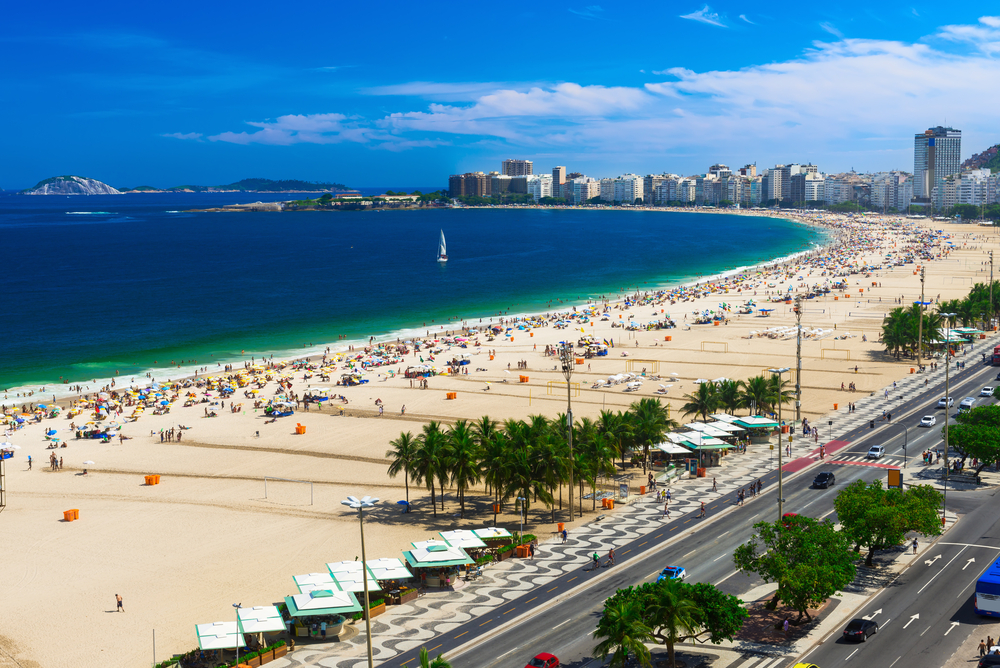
x: 628, y: 188
x: 582, y: 189
x: 840, y: 188
x: 815, y: 185
x: 539, y: 185
x: 607, y: 190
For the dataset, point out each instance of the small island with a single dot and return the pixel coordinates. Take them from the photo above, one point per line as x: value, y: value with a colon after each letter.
x: 350, y: 201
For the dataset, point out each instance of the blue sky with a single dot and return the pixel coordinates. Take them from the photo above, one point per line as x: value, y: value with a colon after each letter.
x: 407, y: 93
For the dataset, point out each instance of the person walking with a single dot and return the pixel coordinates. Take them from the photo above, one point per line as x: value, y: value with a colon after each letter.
x: 564, y: 535
x: 702, y: 509
x: 714, y: 488
x: 914, y: 546
x: 982, y: 648
x: 121, y: 606
x: 611, y: 557
x: 29, y: 462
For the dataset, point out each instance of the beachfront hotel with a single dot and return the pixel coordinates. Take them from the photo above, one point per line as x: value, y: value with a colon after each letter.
x: 937, y: 153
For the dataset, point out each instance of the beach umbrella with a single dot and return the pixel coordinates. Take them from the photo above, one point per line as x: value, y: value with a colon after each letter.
x: 88, y: 463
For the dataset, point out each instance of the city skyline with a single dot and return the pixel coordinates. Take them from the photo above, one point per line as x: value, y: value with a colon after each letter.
x: 129, y: 100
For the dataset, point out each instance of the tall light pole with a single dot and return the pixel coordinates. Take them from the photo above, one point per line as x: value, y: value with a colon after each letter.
x: 947, y: 401
x: 239, y: 636
x: 520, y: 508
x: 566, y: 356
x: 920, y: 320
x: 360, y: 505
x: 798, y: 358
x: 992, y: 310
x: 781, y: 500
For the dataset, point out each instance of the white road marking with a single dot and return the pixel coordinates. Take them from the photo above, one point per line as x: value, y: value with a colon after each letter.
x: 689, y: 554
x: 749, y: 662
x: 951, y: 628
x: 942, y: 570
x: 717, y: 558
x: 969, y: 563
x: 925, y: 630
x: 912, y: 617
x: 726, y: 578
x: 558, y: 625
x: 894, y: 662
x: 852, y: 654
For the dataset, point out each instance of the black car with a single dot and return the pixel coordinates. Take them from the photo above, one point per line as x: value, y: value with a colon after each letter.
x: 860, y: 629
x: 989, y: 661
x: 824, y: 480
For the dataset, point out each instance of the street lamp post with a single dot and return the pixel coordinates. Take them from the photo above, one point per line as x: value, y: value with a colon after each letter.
x: 947, y: 408
x: 906, y: 431
x: 520, y: 509
x: 360, y: 505
x: 566, y: 356
x: 239, y: 636
x: 781, y: 501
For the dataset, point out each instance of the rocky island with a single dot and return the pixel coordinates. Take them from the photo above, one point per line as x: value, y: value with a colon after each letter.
x: 71, y: 185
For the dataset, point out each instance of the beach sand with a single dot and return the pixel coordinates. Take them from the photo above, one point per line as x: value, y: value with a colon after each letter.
x: 182, y: 552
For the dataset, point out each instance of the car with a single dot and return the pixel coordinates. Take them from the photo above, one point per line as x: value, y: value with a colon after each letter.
x: 986, y: 392
x: 824, y: 480
x: 672, y: 573
x: 928, y: 421
x: 876, y: 452
x: 544, y: 660
x: 860, y: 629
x: 967, y: 404
x: 946, y: 402
x: 805, y: 665
x: 989, y: 661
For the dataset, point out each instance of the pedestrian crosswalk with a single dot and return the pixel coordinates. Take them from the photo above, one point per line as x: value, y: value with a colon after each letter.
x: 894, y: 461
x: 761, y: 662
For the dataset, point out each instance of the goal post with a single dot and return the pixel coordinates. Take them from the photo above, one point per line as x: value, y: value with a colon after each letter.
x: 303, y: 482
x: 652, y: 365
x: 836, y: 353
x: 723, y: 346
x: 550, y: 387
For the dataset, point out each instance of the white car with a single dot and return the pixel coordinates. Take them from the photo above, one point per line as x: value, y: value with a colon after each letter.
x: 986, y: 392
x: 928, y: 421
x: 967, y: 404
x: 946, y: 402
x: 876, y: 452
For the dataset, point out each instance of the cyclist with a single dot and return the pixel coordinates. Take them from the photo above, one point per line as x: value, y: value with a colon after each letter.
x: 702, y: 509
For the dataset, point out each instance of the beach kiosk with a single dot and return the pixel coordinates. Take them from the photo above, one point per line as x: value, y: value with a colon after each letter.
x: 347, y: 575
x: 436, y: 562
x: 311, y: 609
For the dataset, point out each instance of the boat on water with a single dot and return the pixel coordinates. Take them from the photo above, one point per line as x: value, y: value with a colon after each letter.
x: 442, y: 249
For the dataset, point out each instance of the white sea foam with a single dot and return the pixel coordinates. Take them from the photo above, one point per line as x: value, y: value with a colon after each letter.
x: 90, y: 213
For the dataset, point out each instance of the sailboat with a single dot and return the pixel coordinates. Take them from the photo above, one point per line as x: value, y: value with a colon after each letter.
x: 442, y: 249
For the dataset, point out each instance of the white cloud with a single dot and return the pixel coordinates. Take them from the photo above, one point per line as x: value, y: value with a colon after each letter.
x: 705, y: 15
x: 184, y: 135
x: 840, y: 103
x: 588, y: 12
x: 744, y: 17
x: 832, y: 29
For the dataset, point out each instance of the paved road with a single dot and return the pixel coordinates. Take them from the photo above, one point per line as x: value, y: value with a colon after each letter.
x: 564, y: 628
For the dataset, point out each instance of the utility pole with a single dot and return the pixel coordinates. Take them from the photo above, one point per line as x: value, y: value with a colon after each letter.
x: 920, y: 324
x: 992, y: 310
x: 947, y: 401
x: 798, y: 359
x: 566, y: 356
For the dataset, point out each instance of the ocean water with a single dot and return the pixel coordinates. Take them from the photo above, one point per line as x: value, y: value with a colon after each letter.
x: 134, y: 283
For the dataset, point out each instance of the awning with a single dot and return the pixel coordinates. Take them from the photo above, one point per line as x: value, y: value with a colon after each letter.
x: 313, y: 581
x: 672, y: 449
x: 388, y: 568
x: 726, y: 426
x: 436, y: 556
x: 321, y: 602
x: 219, y: 635
x: 756, y: 422
x: 708, y: 430
x: 492, y: 532
x: 463, y: 538
x: 260, y: 619
x: 348, y: 576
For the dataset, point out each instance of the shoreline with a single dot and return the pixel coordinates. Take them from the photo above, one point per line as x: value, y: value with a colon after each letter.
x: 182, y: 372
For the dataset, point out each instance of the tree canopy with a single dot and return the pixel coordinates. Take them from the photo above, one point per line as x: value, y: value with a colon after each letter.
x: 876, y: 518
x: 977, y: 435
x: 809, y: 560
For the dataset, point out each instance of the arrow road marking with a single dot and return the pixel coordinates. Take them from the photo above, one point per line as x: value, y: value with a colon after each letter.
x: 970, y: 561
x: 877, y: 612
x: 931, y: 561
x: 950, y: 628
x: 911, y: 620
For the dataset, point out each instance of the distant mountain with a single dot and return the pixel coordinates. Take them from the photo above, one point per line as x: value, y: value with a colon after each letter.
x: 988, y: 159
x: 71, y: 185
x: 255, y: 185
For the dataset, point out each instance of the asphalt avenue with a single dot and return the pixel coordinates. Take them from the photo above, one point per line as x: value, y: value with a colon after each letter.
x: 560, y: 616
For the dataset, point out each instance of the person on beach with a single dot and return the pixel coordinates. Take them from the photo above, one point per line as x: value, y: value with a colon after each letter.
x: 121, y: 606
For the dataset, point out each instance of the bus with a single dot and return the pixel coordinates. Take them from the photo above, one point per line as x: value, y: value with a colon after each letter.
x: 996, y: 356
x: 987, y: 600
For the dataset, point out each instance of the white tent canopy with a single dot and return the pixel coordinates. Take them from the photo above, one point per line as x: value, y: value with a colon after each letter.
x: 492, y: 532
x: 218, y: 635
x: 260, y: 619
x: 726, y: 426
x: 672, y: 449
x: 462, y: 538
x: 349, y: 578
x: 388, y: 568
x: 313, y: 581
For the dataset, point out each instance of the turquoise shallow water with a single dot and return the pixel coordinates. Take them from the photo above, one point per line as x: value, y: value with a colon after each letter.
x: 131, y: 283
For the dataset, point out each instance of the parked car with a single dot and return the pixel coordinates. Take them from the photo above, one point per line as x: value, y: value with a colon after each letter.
x: 989, y: 661
x: 824, y: 480
x: 928, y: 421
x: 986, y: 392
x: 544, y: 660
x: 967, y: 404
x: 860, y: 629
x: 946, y: 402
x: 672, y: 573
x: 876, y: 452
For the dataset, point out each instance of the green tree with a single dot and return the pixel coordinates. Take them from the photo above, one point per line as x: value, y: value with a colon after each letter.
x: 430, y: 465
x: 624, y: 632
x: 977, y: 435
x: 425, y: 660
x: 617, y: 429
x: 702, y: 402
x: 730, y: 395
x: 463, y: 460
x: 877, y: 518
x: 403, y: 455
x: 649, y: 421
x: 808, y: 559
x: 757, y: 394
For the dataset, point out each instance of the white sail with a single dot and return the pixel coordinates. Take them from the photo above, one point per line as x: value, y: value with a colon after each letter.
x: 442, y: 249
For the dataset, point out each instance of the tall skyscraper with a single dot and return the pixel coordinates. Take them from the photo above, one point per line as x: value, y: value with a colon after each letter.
x: 517, y: 168
x: 558, y: 179
x: 937, y: 153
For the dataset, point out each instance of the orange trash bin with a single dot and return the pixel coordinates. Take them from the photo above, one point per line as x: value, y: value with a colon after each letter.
x: 68, y: 515
x: 561, y: 526
x: 642, y: 489
x: 156, y: 479
x: 611, y: 504
x: 76, y: 513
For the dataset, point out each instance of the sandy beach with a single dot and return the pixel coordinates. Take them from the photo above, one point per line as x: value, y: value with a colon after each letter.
x: 182, y: 552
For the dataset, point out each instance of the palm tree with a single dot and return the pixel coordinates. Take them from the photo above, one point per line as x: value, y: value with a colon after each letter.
x: 702, y: 402
x: 624, y: 631
x: 649, y: 422
x: 779, y: 393
x: 597, y: 458
x: 403, y: 453
x: 430, y: 465
x: 757, y: 394
x: 495, y: 465
x: 729, y: 395
x: 425, y: 660
x: 677, y: 615
x: 463, y: 460
x: 525, y: 477
x: 617, y: 428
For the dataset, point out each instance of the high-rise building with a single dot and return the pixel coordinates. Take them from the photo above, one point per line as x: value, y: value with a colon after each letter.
x: 471, y: 183
x: 628, y: 188
x: 538, y: 185
x: 517, y: 167
x: 558, y: 179
x: 937, y: 153
x: 649, y: 184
